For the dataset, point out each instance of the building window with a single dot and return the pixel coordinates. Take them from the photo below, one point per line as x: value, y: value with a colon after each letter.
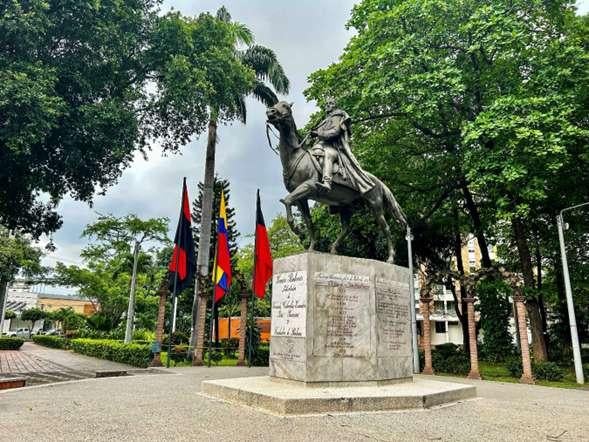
x: 440, y: 327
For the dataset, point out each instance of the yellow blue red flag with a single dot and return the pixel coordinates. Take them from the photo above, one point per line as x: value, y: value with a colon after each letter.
x: 222, y: 271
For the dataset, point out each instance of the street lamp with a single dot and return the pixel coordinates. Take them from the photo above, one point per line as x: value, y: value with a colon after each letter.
x: 569, y: 296
x: 409, y: 238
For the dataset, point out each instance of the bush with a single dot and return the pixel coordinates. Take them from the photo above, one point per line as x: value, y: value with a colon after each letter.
x: 50, y: 341
x: 514, y: 365
x: 549, y: 371
x: 261, y: 357
x: 143, y: 334
x: 138, y: 355
x: 10, y: 343
x: 230, y: 347
x: 450, y: 358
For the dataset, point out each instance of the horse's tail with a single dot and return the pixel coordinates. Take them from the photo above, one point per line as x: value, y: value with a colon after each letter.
x: 390, y: 203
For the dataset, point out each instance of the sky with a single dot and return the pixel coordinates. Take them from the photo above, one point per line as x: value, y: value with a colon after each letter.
x: 306, y: 35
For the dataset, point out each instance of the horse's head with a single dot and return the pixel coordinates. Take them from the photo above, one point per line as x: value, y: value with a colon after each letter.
x: 279, y: 113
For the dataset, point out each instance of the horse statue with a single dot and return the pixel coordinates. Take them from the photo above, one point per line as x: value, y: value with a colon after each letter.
x: 305, y: 178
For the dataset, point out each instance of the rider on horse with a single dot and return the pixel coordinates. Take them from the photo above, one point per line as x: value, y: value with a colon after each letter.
x: 333, y: 145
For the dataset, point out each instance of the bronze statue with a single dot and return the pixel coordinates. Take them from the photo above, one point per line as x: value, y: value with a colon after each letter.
x: 328, y: 173
x: 334, y: 149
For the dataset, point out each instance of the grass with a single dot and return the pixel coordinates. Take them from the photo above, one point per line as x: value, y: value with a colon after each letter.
x: 225, y: 362
x: 496, y: 371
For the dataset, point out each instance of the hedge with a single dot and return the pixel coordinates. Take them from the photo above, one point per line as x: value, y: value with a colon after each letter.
x: 138, y: 355
x: 11, y: 343
x: 50, y: 341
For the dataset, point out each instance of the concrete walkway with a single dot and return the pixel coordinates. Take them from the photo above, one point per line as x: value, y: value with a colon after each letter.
x: 169, y: 407
x: 41, y: 365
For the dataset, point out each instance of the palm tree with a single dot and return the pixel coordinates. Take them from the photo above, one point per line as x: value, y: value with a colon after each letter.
x: 269, y: 77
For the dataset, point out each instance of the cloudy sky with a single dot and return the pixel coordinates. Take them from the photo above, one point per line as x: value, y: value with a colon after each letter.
x: 306, y: 35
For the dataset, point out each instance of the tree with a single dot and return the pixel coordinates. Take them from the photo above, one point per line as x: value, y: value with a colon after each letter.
x: 107, y: 276
x: 9, y: 314
x: 264, y: 67
x: 17, y: 254
x: 33, y: 314
x: 87, y: 84
x: 482, y: 101
x: 117, y: 234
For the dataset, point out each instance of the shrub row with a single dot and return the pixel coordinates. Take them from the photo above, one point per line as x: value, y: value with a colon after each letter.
x: 138, y: 355
x: 10, y: 343
x: 549, y: 371
x: 448, y: 358
x: 50, y: 341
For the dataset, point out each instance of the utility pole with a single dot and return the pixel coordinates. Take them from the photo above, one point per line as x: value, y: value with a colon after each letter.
x: 409, y: 238
x: 569, y: 296
x: 131, y: 308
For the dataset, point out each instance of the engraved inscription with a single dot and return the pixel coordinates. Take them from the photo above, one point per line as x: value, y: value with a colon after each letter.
x: 289, y: 304
x: 393, y: 321
x: 343, y: 303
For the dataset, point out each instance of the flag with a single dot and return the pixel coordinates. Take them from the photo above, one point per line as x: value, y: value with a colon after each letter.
x: 262, y: 254
x: 222, y: 268
x: 183, y: 264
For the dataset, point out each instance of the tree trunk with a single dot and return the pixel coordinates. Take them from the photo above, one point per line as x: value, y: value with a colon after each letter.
x: 459, y: 304
x: 199, y: 305
x: 527, y: 376
x: 472, y: 340
x: 427, y: 335
x: 540, y: 296
x: 242, y: 329
x: 131, y: 308
x: 477, y: 224
x: 159, y: 327
x: 538, y: 341
x: 3, y: 300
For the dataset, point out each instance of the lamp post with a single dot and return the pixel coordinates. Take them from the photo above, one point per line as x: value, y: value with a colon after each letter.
x: 409, y: 237
x: 569, y: 296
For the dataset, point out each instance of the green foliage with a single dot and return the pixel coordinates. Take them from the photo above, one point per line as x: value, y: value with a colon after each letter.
x: 107, y: 276
x: 9, y: 314
x: 18, y: 254
x: 138, y: 355
x: 448, y: 358
x: 495, y: 310
x: 548, y: 371
x: 10, y: 343
x: 33, y: 314
x: 51, y: 341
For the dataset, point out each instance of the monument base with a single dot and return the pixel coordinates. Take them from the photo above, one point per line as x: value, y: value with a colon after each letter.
x: 297, y: 398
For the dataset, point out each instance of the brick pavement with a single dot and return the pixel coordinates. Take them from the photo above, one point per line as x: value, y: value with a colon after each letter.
x: 40, y: 365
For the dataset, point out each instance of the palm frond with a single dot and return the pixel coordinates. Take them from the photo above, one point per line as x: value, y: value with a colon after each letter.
x: 242, y: 34
x: 264, y: 94
x: 265, y: 64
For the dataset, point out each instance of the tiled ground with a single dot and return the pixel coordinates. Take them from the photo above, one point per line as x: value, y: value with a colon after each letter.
x: 43, y: 365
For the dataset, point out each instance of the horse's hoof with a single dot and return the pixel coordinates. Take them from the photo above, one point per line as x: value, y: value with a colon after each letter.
x: 283, y: 201
x: 333, y: 251
x: 391, y: 260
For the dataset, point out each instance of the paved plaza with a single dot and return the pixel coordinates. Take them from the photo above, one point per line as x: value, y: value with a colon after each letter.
x: 168, y: 406
x: 41, y: 365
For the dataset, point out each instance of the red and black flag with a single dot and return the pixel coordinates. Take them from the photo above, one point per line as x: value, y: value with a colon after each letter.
x: 183, y: 263
x: 262, y: 254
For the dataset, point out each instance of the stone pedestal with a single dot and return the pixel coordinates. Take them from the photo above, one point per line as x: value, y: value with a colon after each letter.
x: 337, y: 319
x: 340, y: 342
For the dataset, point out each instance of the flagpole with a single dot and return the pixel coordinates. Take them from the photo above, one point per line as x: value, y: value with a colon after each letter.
x: 174, y: 300
x: 253, y: 303
x: 212, y: 313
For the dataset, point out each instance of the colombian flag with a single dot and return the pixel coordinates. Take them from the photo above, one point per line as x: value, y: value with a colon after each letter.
x: 222, y: 271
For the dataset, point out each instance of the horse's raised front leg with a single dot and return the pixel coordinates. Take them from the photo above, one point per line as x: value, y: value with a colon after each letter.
x: 303, y: 205
x: 345, y: 218
x: 297, y: 195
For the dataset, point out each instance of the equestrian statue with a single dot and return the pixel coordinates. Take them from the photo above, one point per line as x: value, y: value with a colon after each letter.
x: 326, y: 171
